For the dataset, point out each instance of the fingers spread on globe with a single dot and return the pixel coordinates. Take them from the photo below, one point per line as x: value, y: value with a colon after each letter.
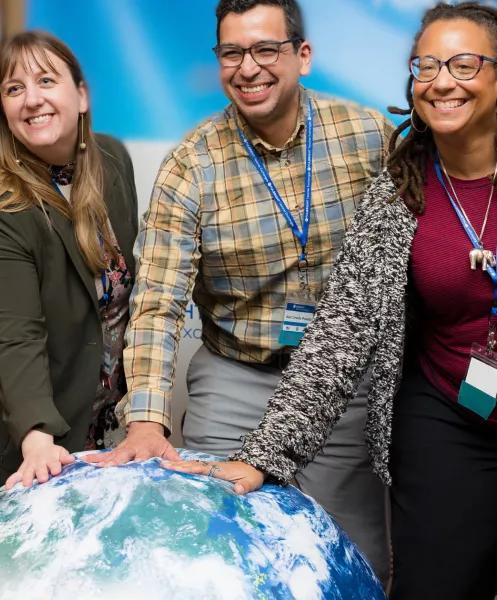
x: 196, y: 467
x: 243, y: 477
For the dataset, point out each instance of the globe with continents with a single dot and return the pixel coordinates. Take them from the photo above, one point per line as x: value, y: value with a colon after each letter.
x: 139, y: 531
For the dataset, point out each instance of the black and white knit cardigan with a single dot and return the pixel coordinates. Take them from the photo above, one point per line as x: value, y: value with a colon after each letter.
x: 360, y: 321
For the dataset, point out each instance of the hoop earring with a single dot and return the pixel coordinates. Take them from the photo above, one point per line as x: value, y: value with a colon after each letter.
x: 413, y: 124
x: 16, y: 158
x: 82, y: 144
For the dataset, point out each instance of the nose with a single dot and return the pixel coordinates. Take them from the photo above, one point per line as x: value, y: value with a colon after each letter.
x: 444, y: 80
x: 33, y: 96
x: 248, y: 67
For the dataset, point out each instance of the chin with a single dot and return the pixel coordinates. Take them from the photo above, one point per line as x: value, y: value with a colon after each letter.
x: 256, y: 114
x: 450, y: 125
x: 448, y: 130
x: 261, y: 108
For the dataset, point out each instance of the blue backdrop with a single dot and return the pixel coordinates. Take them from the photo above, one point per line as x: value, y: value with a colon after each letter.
x: 153, y: 76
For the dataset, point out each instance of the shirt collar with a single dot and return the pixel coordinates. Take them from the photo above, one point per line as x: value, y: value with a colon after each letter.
x: 237, y: 120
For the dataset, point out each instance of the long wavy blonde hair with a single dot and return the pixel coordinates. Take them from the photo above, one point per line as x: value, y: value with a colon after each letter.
x: 27, y: 178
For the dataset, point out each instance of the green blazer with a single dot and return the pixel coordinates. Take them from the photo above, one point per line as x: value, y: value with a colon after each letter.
x: 50, y: 328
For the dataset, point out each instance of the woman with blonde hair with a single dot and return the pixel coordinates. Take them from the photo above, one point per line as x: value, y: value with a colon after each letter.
x: 67, y: 224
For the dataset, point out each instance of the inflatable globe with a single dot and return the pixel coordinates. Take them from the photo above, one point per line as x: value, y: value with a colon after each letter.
x: 139, y: 531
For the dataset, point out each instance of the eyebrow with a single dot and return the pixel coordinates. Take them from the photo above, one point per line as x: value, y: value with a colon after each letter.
x: 255, y: 43
x: 34, y: 73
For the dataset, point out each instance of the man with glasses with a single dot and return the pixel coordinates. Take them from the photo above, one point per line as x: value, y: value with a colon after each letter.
x: 248, y: 213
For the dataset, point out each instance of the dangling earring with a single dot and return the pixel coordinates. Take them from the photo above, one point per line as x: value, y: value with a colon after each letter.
x: 16, y: 158
x: 413, y: 124
x: 82, y: 144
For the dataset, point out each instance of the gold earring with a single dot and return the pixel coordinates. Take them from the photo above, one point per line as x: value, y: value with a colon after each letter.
x: 16, y: 158
x: 413, y: 124
x: 82, y: 145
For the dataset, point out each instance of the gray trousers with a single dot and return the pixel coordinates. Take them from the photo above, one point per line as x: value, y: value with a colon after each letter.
x: 227, y: 400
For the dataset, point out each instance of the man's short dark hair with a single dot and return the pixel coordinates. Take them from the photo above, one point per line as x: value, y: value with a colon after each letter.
x: 293, y: 15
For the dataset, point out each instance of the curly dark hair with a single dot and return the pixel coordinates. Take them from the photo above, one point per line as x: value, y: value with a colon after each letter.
x: 407, y: 161
x: 293, y: 15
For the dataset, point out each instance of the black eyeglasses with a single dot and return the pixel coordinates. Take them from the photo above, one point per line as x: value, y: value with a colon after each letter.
x: 460, y: 66
x: 263, y: 53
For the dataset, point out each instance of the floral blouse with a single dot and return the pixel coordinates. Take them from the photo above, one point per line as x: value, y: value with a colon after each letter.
x: 113, y: 291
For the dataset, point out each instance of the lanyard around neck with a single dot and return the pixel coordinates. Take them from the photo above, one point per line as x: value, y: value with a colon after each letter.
x: 303, y: 235
x: 470, y: 232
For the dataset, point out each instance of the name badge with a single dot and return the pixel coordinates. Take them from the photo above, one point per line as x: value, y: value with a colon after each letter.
x: 478, y: 391
x: 297, y: 316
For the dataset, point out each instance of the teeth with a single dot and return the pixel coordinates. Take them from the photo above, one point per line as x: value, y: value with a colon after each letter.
x: 447, y: 103
x: 254, y: 89
x: 39, y: 119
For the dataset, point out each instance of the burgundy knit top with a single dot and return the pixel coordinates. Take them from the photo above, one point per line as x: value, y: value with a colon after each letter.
x: 454, y: 300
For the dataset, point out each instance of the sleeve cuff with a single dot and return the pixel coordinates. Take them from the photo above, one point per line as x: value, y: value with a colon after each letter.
x: 52, y: 424
x: 145, y: 405
x: 263, y: 456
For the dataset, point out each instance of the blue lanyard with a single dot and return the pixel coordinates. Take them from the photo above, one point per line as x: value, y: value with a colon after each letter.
x: 105, y: 295
x: 476, y: 244
x: 104, y: 279
x: 470, y: 232
x: 303, y: 235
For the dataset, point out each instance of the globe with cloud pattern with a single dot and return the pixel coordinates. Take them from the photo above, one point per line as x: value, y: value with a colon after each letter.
x: 141, y: 531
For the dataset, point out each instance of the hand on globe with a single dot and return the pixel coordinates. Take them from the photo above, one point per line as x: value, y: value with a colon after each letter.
x: 42, y: 459
x: 143, y: 441
x: 243, y: 477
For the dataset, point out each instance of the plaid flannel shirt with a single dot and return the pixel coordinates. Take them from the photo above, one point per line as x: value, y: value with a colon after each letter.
x: 213, y: 231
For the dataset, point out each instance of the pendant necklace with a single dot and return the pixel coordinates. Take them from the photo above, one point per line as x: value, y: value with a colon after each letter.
x: 479, y: 255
